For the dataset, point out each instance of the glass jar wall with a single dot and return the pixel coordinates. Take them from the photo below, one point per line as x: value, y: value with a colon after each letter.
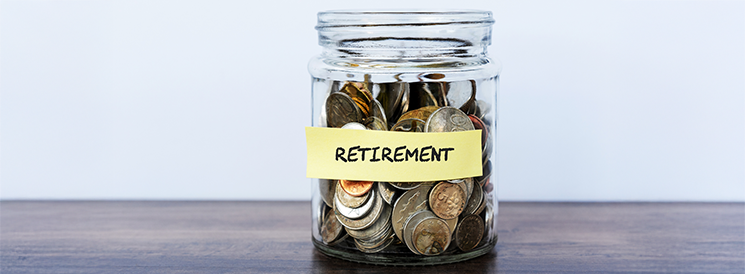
x: 417, y: 72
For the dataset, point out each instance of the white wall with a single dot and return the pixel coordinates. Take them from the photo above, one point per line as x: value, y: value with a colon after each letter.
x: 600, y: 100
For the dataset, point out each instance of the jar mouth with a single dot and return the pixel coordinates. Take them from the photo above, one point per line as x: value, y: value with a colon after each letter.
x: 401, y: 18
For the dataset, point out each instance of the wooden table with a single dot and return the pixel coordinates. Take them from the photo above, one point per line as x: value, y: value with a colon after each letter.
x: 248, y: 237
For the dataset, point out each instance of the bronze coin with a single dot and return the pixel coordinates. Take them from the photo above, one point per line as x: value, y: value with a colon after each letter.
x: 469, y: 232
x: 447, y: 200
x: 356, y: 188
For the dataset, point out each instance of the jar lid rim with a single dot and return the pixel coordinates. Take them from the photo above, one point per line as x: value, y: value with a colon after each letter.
x: 381, y: 18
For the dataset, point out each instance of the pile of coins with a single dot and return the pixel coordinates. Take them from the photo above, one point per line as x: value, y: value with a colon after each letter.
x: 424, y: 218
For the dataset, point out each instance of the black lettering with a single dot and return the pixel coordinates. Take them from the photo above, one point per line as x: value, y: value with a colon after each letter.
x: 397, y: 153
x: 386, y: 154
x: 340, y: 154
x: 435, y: 155
x: 446, y: 152
x: 363, y: 152
x: 375, y: 150
x: 414, y: 153
x: 424, y: 152
x: 352, y: 154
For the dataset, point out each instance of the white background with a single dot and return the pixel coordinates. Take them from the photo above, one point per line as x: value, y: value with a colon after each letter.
x: 600, y: 100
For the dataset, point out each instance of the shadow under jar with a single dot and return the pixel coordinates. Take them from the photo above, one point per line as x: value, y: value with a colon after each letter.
x: 410, y: 72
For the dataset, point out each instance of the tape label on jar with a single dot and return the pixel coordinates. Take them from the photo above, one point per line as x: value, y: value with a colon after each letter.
x: 390, y: 156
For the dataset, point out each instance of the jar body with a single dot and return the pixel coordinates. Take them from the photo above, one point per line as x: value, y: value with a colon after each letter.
x: 399, y: 71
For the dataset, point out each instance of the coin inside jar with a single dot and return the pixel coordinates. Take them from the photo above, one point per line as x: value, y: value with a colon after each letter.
x: 341, y: 109
x: 448, y: 119
x: 356, y: 188
x: 349, y: 200
x: 447, y: 200
x: 331, y: 230
x: 367, y: 220
x: 406, y: 205
x: 409, y: 125
x: 431, y: 236
x: 354, y: 212
x: 469, y: 232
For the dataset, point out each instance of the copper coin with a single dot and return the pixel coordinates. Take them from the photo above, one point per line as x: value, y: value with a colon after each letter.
x: 420, y: 113
x: 447, y: 200
x: 478, y: 124
x: 356, y: 188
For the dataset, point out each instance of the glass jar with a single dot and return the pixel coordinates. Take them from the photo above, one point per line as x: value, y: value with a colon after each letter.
x: 420, y: 73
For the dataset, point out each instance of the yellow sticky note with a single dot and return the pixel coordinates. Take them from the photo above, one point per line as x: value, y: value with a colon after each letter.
x: 390, y: 156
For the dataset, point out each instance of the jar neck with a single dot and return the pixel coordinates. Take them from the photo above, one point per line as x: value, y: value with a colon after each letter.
x: 404, y: 35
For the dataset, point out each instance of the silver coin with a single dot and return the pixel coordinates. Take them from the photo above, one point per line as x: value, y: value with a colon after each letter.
x: 327, y: 188
x: 458, y: 93
x: 405, y: 185
x: 349, y: 200
x: 448, y: 119
x: 386, y: 192
x: 409, y: 203
x: 410, y: 224
x: 387, y: 242
x: 341, y: 109
x: 377, y: 111
x: 366, y: 221
x: 331, y: 230
x: 475, y: 202
x: 380, y: 224
x: 485, y: 173
x: 354, y: 212
x: 374, y: 123
x: 354, y: 125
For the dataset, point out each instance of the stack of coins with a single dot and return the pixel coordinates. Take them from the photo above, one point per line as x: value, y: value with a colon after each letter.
x: 426, y: 218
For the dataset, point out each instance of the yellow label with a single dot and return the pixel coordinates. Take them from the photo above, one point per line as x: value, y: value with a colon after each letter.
x: 390, y: 156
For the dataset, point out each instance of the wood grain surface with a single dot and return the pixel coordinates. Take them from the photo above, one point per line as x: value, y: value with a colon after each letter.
x: 274, y: 237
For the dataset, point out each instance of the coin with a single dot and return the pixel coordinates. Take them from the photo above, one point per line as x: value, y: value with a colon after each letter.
x: 327, y: 188
x: 476, y: 200
x: 331, y: 230
x: 420, y: 95
x: 411, y: 223
x: 452, y: 224
x: 341, y: 109
x: 390, y: 98
x: 447, y: 119
x: 349, y: 200
x: 354, y: 212
x: 420, y: 113
x: 380, y: 225
x: 409, y: 202
x: 354, y: 125
x: 485, y: 173
x: 405, y: 185
x: 374, y: 123
x: 409, y: 125
x: 356, y: 188
x: 469, y: 232
x: 478, y: 124
x: 360, y: 95
x: 387, y: 242
x: 447, y: 200
x: 431, y: 236
x: 366, y: 221
x: 386, y: 192
x: 377, y: 111
x: 471, y: 106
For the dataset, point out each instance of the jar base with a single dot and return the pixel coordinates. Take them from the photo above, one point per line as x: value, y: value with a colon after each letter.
x: 399, y: 259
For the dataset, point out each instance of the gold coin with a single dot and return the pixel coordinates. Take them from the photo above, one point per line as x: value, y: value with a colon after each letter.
x: 420, y: 113
x: 360, y: 95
